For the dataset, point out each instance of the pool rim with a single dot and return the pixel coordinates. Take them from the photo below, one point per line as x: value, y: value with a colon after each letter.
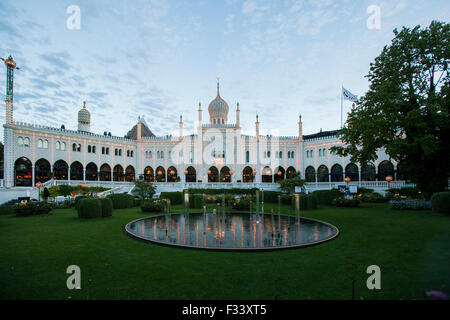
x: 184, y: 246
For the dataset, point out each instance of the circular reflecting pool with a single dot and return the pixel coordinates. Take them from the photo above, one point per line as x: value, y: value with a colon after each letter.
x: 231, y: 231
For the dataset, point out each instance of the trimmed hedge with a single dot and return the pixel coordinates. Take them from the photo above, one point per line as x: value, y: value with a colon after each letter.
x: 7, y: 209
x: 32, y: 208
x: 241, y: 204
x: 270, y: 196
x: 311, y: 202
x: 121, y: 200
x: 90, y: 208
x: 77, y: 201
x: 107, y: 207
x: 196, y: 201
x: 440, y: 202
x: 174, y: 197
x: 327, y: 196
x: 220, y: 191
x: 346, y: 203
x: 152, y: 207
x: 410, y: 204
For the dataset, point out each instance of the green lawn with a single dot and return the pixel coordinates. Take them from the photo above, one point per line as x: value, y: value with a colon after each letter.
x: 410, y: 247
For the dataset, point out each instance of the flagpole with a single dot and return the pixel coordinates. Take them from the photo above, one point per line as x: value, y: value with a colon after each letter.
x: 342, y: 102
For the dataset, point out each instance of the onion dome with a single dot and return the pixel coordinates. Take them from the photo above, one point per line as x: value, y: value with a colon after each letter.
x: 218, y: 109
x: 84, y: 116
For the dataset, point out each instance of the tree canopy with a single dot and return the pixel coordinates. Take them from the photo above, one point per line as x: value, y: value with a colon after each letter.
x: 406, y: 109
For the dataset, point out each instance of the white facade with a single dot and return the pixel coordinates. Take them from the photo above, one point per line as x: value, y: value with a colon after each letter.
x: 216, y: 152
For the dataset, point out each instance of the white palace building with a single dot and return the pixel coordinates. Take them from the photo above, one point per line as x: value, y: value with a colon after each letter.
x: 217, y: 154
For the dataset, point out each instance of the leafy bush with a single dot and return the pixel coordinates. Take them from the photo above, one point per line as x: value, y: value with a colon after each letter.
x: 409, y: 192
x: 7, y: 209
x: 440, y: 202
x: 89, y: 208
x: 241, y: 204
x: 311, y: 202
x: 346, y: 202
x: 327, y: 196
x: 154, y: 206
x: 77, y: 201
x: 174, y: 197
x: 373, y: 197
x: 196, y: 201
x: 32, y: 208
x: 220, y: 191
x: 410, y: 204
x: 271, y: 196
x: 107, y: 207
x: 121, y: 200
x: 287, y: 199
x: 364, y: 191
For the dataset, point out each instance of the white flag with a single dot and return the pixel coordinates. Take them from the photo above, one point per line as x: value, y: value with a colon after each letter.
x: 348, y: 95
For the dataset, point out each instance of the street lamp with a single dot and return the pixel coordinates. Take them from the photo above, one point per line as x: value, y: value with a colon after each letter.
x: 347, y: 180
x: 388, y: 179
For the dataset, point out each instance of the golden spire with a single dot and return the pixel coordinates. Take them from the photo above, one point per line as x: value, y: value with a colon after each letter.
x: 218, y: 92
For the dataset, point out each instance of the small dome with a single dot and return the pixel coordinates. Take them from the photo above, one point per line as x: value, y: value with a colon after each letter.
x: 84, y: 116
x: 218, y: 108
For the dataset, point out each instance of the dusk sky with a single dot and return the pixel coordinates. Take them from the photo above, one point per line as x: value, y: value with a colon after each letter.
x: 160, y: 58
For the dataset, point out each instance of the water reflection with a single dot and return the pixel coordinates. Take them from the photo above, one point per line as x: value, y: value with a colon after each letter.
x: 231, y: 230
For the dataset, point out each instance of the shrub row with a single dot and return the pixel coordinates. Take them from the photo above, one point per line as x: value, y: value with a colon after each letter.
x: 121, y: 200
x: 346, y: 202
x: 440, y: 202
x: 153, y: 207
x: 174, y: 197
x: 327, y: 196
x: 410, y: 192
x: 92, y: 208
x: 7, y: 209
x: 32, y: 208
x: 409, y: 204
x: 220, y: 191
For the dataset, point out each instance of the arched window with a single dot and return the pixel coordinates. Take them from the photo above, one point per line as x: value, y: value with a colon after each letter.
x: 368, y: 172
x: 58, y: 145
x: 20, y: 141
x: 105, y: 172
x: 91, y: 172
x: 22, y: 172
x: 103, y: 150
x: 120, y: 152
x: 320, y: 152
x: 336, y: 173
x: 74, y: 147
x: 26, y: 142
x: 351, y: 171
x: 79, y: 148
x: 385, y: 169
x: 93, y: 149
x: 172, y: 174
x: 247, y: 156
x: 60, y: 170
x: 42, y: 171
x: 63, y: 146
x: 322, y: 174
x: 107, y: 150
x: 45, y: 145
x: 247, y: 174
x: 148, y: 174
x: 89, y: 149
x: 39, y: 143
x: 266, y: 175
x: 191, y: 174
x: 324, y: 152
x: 278, y: 174
x: 310, y: 174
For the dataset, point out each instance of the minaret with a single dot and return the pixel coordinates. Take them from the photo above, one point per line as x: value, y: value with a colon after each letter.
x: 238, y: 118
x: 199, y: 115
x: 84, y: 119
x: 10, y: 66
x: 257, y: 128
x: 181, y: 126
x: 139, y: 129
x: 258, y: 166
x: 300, y: 128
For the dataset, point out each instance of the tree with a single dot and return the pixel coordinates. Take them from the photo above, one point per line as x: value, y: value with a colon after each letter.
x: 288, y: 185
x: 143, y: 188
x: 65, y: 190
x: 406, y: 109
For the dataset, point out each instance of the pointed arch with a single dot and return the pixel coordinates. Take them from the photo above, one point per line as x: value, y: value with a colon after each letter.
x: 172, y: 174
x: 322, y: 174
x: 105, y: 172
x: 149, y: 174
x: 368, y: 172
x: 42, y: 170
x: 60, y: 170
x: 279, y: 174
x: 191, y: 174
x: 213, y: 174
x: 118, y: 173
x: 247, y: 174
x: 291, y: 172
x: 266, y: 174
x: 385, y: 169
x: 225, y: 174
x: 130, y: 174
x: 160, y: 174
x: 310, y: 174
x: 91, y: 172
x: 337, y: 173
x: 351, y: 171
x: 22, y: 172
x: 76, y: 171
